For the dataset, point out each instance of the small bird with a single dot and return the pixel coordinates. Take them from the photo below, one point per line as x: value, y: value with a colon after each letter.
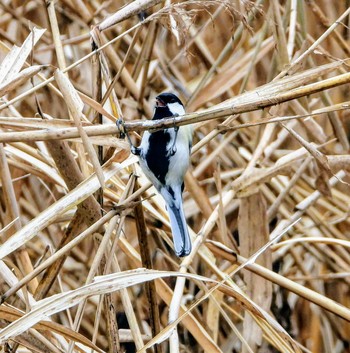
x: 164, y: 158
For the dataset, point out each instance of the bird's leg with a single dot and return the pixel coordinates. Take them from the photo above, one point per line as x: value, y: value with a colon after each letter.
x: 176, y: 130
x: 120, y: 124
x: 173, y: 147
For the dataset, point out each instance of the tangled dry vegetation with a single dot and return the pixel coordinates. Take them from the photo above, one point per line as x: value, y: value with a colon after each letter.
x: 88, y: 268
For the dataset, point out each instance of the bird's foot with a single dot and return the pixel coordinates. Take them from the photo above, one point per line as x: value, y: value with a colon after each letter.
x: 122, y: 133
x: 173, y: 147
x: 121, y: 128
x: 135, y: 150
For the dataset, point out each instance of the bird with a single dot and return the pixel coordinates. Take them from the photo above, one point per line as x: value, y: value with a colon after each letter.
x: 164, y: 157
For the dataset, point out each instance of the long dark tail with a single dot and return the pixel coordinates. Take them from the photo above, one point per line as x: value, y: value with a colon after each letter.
x: 181, y: 237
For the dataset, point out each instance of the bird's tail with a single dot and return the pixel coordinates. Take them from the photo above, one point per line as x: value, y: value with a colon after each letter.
x: 181, y: 237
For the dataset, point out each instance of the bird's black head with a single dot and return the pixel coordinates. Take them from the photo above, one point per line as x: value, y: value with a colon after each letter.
x: 166, y: 98
x: 167, y: 105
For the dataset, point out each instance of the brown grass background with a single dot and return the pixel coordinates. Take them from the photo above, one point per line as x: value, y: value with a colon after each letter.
x: 265, y: 84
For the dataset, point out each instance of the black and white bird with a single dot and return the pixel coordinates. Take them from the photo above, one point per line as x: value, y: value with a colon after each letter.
x: 164, y: 158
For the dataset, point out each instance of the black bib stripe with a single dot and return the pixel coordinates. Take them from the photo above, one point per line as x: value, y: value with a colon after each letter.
x: 156, y: 158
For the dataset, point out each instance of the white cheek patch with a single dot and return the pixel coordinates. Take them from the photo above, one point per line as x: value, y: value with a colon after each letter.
x: 176, y: 108
x: 144, y: 146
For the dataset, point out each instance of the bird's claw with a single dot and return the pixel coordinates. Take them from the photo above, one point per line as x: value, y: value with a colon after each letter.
x: 121, y: 128
x: 173, y: 149
x: 135, y: 150
x: 122, y: 133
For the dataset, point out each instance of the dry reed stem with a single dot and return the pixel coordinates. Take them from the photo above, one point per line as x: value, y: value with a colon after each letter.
x: 145, y: 253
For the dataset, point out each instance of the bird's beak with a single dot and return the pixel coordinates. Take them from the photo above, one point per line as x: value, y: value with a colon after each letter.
x: 159, y: 103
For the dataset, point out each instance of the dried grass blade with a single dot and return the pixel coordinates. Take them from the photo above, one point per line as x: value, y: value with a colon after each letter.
x: 320, y: 158
x: 102, y: 285
x: 18, y: 57
x: 56, y: 34
x: 20, y: 78
x: 59, y: 253
x: 127, y: 11
x: 252, y: 219
x: 75, y: 106
x: 67, y: 202
x: 11, y: 314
